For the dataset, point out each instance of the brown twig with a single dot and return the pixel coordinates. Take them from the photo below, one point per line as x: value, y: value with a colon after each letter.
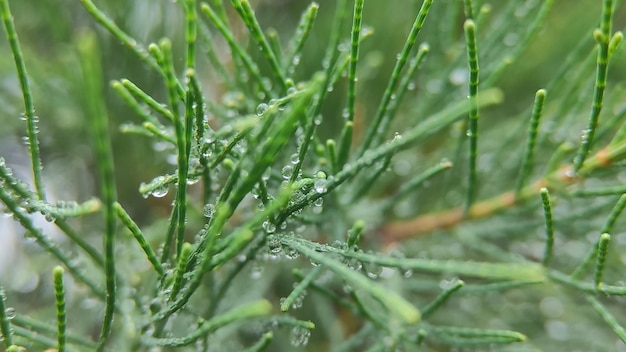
x: 424, y: 224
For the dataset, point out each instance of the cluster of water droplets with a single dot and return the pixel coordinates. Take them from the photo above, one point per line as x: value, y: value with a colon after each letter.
x: 299, y: 336
x: 158, y: 188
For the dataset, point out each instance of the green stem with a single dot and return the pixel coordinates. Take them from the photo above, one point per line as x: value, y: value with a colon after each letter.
x: 59, y: 293
x: 29, y: 108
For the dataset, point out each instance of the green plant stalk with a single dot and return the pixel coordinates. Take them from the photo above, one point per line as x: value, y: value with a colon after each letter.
x: 331, y: 154
x: 547, y: 213
x: 158, y: 132
x: 392, y: 301
x: 80, y: 242
x: 326, y: 292
x: 559, y: 177
x: 407, y: 188
x: 370, y: 315
x: 92, y: 75
x: 200, y: 130
x: 190, y: 101
x: 19, y: 187
x: 130, y: 100
x: 294, y: 48
x: 395, y: 76
x: 139, y: 237
x: 169, y: 234
x: 180, y: 270
x: 527, y: 164
x: 247, y: 14
x: 274, y: 41
x: 468, y: 7
x: 257, y: 244
x: 47, y: 244
x: 29, y: 108
x: 236, y: 50
x: 592, y: 254
x: 147, y: 99
x: 607, y: 317
x: 32, y: 337
x: 332, y: 75
x: 615, y: 42
x: 405, y: 83
x: 297, y: 291
x: 262, y: 344
x: 498, y: 286
x: 472, y: 58
x: 5, y: 323
x: 442, y: 298
x: 345, y: 140
x: 40, y: 327
x: 127, y: 40
x: 209, y: 51
x: 221, y: 11
x: 602, y: 36
x: 454, y: 331
x: 603, y: 191
x: 519, y: 48
x: 355, y: 233
x: 370, y: 180
x: 603, y: 246
x: 59, y: 294
x: 246, y: 311
x: 416, y: 134
x: 354, y: 342
x: 588, y: 287
x: 205, y: 250
x: 181, y: 142
x: 454, y: 340
x: 191, y: 32
x: 500, y: 271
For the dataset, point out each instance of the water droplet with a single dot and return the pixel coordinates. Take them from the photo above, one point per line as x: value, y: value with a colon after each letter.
x: 557, y: 330
x: 160, y: 191
x: 458, y: 76
x: 274, y: 245
x: 294, y: 158
x: 261, y: 109
x: 291, y: 253
x: 209, y: 210
x: 320, y: 186
x: 510, y: 39
x: 296, y: 60
x: 292, y: 90
x: 374, y: 271
x: 269, y: 227
x: 584, y: 135
x: 256, y: 271
x: 448, y: 284
x: 287, y: 171
x: 10, y: 312
x: 434, y: 86
x: 300, y: 336
x: 411, y: 86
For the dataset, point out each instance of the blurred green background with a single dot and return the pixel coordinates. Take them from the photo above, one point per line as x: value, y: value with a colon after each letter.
x: 47, y: 30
